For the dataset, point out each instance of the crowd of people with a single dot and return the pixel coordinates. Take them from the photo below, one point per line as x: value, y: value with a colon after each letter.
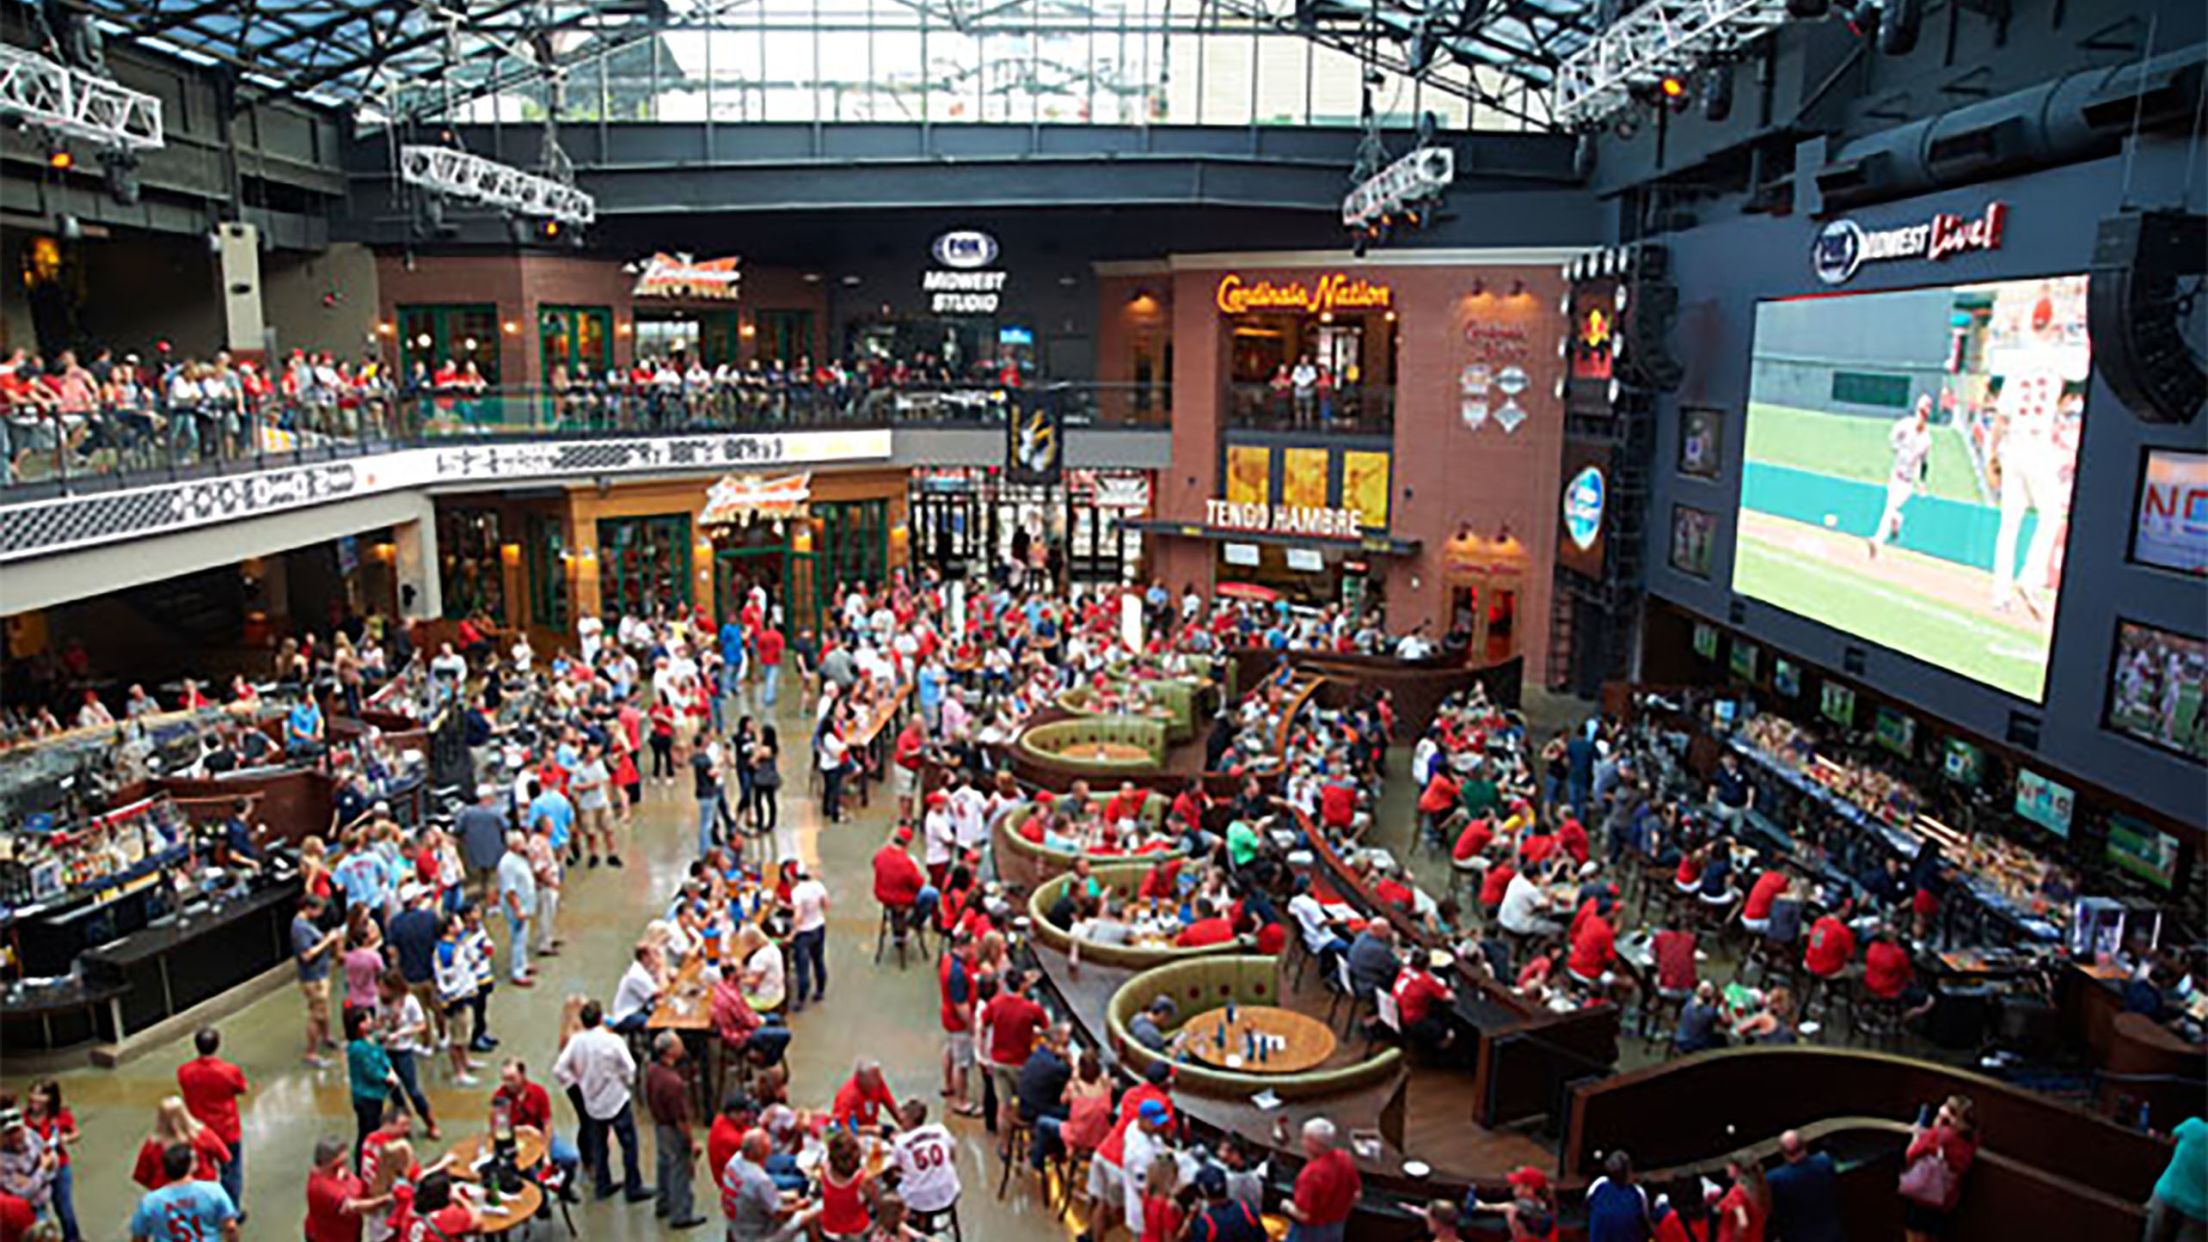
x: 1550, y: 850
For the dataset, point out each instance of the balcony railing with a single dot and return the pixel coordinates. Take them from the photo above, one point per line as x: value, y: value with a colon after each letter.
x: 47, y: 448
x: 1351, y: 409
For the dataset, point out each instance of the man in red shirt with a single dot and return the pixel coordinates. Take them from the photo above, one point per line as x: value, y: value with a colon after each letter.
x: 1210, y: 927
x: 864, y: 1099
x: 1126, y: 804
x: 1337, y: 806
x: 1437, y: 803
x: 1106, y: 1177
x: 1473, y: 841
x: 1831, y: 946
x: 529, y: 1104
x: 898, y: 884
x: 335, y: 1198
x: 1010, y: 1021
x: 911, y: 745
x: 1594, y: 945
x: 1326, y: 1189
x: 1421, y: 1001
x: 211, y: 1087
x: 1755, y: 913
x: 769, y: 644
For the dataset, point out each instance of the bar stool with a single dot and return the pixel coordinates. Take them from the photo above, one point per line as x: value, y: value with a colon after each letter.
x: 1875, y: 1018
x: 931, y: 1223
x: 1016, y: 1133
x: 1660, y: 1010
x: 885, y: 931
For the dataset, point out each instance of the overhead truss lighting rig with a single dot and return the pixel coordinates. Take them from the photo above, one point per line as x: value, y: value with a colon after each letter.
x: 1654, y: 48
x: 71, y: 103
x: 464, y: 175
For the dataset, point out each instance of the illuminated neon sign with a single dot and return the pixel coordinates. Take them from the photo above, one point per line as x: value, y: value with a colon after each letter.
x: 1334, y: 291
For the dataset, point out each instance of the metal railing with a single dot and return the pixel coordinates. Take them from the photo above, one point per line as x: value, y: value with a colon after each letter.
x: 48, y: 449
x: 1355, y: 409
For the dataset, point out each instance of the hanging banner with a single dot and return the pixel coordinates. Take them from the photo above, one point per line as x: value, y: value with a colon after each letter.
x: 680, y: 276
x: 741, y: 499
x: 1034, y: 447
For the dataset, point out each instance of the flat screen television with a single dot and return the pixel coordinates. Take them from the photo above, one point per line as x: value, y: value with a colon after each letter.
x: 2145, y: 852
x: 2170, y: 529
x: 2155, y: 687
x: 1836, y: 703
x: 1744, y: 660
x: 2045, y: 802
x: 1906, y: 466
x: 1895, y: 731
x: 1786, y: 676
x: 1705, y: 640
x: 1963, y: 763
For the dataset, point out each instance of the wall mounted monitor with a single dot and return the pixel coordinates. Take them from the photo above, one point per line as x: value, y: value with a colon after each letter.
x: 1962, y: 762
x: 2170, y: 528
x: 2155, y: 682
x: 1786, y: 677
x: 1907, y: 468
x: 1744, y: 660
x: 2145, y: 852
x: 1836, y: 703
x: 2045, y: 802
x: 1895, y: 731
x: 1705, y: 640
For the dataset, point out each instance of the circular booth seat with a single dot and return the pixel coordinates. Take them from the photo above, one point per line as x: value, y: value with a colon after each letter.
x: 1124, y: 878
x: 1208, y: 982
x: 1102, y: 747
x: 1037, y: 859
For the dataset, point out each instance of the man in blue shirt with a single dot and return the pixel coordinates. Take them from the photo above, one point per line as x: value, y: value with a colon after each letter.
x: 930, y: 690
x: 551, y: 804
x: 1805, y: 1194
x: 184, y: 1209
x: 365, y: 876
x: 303, y: 728
x: 1617, y: 1210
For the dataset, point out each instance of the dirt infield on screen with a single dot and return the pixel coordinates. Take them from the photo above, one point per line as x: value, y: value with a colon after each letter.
x: 1923, y: 606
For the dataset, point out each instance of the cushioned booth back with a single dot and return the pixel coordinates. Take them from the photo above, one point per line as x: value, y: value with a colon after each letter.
x: 1125, y: 879
x: 1052, y: 739
x: 1206, y: 983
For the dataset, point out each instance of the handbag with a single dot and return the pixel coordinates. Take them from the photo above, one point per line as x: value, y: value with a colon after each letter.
x: 1927, y: 1181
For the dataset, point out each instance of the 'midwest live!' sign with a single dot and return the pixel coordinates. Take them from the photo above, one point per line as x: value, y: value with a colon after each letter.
x: 1284, y: 519
x: 1843, y: 246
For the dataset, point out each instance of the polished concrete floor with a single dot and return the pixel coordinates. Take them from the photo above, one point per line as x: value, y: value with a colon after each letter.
x: 871, y: 1010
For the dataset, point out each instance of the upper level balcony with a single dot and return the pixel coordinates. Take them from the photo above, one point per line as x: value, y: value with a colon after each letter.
x: 52, y: 448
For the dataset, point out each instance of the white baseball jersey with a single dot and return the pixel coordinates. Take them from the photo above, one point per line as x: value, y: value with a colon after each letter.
x: 927, y: 1168
x: 1911, y: 444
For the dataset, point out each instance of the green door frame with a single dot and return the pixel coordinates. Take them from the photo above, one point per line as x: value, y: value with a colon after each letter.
x: 564, y: 324
x: 620, y: 600
x: 854, y: 543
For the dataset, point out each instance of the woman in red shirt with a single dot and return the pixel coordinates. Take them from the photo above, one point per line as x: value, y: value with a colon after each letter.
x: 55, y: 1126
x: 1954, y: 1135
x: 843, y: 1211
x: 1746, y: 1205
x: 173, y: 1124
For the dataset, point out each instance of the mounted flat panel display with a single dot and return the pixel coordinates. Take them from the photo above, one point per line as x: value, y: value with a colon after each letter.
x: 1909, y: 462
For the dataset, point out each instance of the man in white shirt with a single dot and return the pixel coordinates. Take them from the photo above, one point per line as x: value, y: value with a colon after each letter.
x: 517, y: 898
x: 927, y: 1161
x: 596, y: 1062
x: 638, y: 991
x: 1520, y: 912
x: 590, y: 634
x: 809, y: 936
x: 1145, y: 1142
x: 969, y: 816
x: 940, y: 839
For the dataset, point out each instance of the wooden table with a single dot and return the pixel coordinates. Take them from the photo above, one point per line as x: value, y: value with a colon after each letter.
x: 513, y: 1211
x: 529, y: 1151
x: 687, y: 1004
x: 1301, y: 1043
x: 1104, y: 752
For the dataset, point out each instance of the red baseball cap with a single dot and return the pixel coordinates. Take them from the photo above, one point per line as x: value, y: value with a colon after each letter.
x: 1529, y: 1177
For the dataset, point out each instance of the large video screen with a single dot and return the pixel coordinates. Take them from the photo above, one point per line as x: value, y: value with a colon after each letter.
x: 2155, y: 689
x: 1909, y: 464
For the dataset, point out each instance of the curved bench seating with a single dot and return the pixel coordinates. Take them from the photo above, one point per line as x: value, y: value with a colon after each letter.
x: 1211, y: 981
x: 1052, y: 740
x: 1124, y: 878
x: 1043, y: 860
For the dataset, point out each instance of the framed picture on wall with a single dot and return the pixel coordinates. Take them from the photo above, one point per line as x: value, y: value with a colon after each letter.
x: 1692, y: 532
x: 1701, y: 441
x: 2155, y: 694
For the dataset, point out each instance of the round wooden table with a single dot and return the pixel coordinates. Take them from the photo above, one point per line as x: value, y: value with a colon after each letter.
x: 529, y: 1151
x: 1105, y: 752
x: 1300, y: 1043
x: 512, y: 1212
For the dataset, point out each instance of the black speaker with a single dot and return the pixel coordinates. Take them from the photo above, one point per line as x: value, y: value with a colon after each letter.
x: 2132, y: 310
x: 1898, y: 25
x: 1644, y: 355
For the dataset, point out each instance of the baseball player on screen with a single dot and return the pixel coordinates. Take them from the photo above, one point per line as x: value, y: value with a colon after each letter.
x: 1911, y: 442
x: 2028, y: 458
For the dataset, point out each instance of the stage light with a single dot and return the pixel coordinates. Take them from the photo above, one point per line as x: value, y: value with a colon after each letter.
x: 1673, y: 86
x: 60, y: 159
